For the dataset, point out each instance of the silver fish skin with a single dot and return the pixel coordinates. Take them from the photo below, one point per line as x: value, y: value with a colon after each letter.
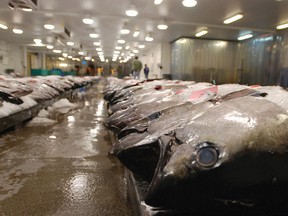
x: 233, y: 151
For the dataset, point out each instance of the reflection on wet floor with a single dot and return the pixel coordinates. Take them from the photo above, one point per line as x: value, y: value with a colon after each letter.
x: 63, y: 169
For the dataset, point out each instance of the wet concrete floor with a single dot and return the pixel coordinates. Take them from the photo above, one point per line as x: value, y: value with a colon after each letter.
x: 63, y: 169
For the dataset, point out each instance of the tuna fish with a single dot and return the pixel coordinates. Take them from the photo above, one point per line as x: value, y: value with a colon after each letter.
x: 233, y: 151
x: 144, y: 133
x: 123, y: 118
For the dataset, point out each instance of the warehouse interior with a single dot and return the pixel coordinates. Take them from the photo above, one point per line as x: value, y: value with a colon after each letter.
x: 65, y: 65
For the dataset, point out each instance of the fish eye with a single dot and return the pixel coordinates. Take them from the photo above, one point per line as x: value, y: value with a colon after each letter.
x: 207, y: 157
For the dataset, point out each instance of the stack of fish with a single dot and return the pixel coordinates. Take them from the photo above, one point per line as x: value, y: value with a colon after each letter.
x: 199, y: 143
x: 17, y: 94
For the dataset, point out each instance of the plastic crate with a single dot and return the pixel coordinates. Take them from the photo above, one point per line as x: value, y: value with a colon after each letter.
x: 39, y: 72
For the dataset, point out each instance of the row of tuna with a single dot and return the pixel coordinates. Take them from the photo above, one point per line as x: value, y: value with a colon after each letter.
x: 198, y: 143
x: 17, y: 94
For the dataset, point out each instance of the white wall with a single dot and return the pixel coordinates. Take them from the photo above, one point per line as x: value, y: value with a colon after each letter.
x: 11, y: 57
x: 166, y: 58
x: 158, y: 55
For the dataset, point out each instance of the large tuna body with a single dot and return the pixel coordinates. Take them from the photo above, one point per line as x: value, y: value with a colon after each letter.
x: 231, y: 147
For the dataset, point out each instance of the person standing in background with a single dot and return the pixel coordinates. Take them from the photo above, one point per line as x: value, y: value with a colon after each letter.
x: 146, y: 71
x: 136, y: 67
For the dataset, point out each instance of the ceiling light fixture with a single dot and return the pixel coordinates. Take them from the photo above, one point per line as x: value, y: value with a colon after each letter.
x: 121, y: 41
x: 127, y: 47
x: 93, y: 35
x: 81, y: 53
x: 57, y: 51
x: 3, y: 26
x: 65, y: 55
x: 26, y: 9
x: 17, y: 31
x: 141, y: 46
x: 149, y: 38
x: 99, y: 49
x: 201, y: 33
x: 37, y: 41
x: 136, y: 33
x: 233, y: 19
x: 125, y: 30
x: 118, y: 48
x: 157, y: 2
x: 49, y: 26
x: 88, y: 21
x: 132, y: 12
x: 244, y: 37
x: 96, y: 43
x: 282, y: 26
x: 70, y: 43
x: 162, y: 25
x: 50, y: 46
x: 189, y: 3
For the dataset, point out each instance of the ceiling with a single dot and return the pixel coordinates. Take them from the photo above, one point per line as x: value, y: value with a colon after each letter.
x: 260, y: 17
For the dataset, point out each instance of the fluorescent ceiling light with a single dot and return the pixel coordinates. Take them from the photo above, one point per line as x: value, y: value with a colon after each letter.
x: 70, y: 43
x: 3, y: 26
x: 116, y: 52
x: 162, y: 25
x: 49, y: 26
x: 136, y: 33
x: 149, y: 38
x: 118, y: 47
x: 18, y: 31
x: 57, y: 51
x: 99, y: 49
x: 127, y: 47
x: 81, y: 53
x: 141, y: 46
x: 50, y: 47
x: 125, y: 30
x: 70, y: 57
x: 97, y: 43
x: 135, y: 51
x: 121, y: 41
x: 201, y: 33
x: 93, y: 35
x: 283, y: 26
x: 157, y: 2
x: 61, y: 58
x: 88, y: 21
x: 189, y: 3
x: 244, y: 37
x: 37, y: 41
x: 26, y: 9
x: 65, y: 55
x: 233, y: 19
x: 132, y: 12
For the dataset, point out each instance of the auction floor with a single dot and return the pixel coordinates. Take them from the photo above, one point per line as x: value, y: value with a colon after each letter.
x: 63, y: 169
